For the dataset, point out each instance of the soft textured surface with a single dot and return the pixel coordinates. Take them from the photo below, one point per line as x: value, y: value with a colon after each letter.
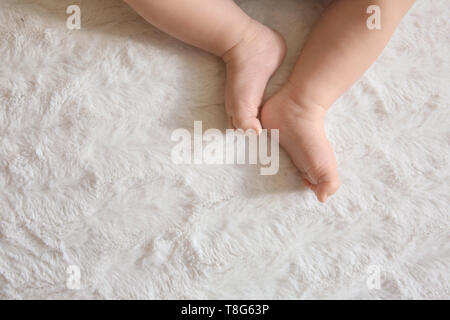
x: 86, y: 178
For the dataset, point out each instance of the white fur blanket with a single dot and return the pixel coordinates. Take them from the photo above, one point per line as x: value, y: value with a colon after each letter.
x: 87, y: 184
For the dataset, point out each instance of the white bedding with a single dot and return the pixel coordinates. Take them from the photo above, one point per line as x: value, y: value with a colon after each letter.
x: 86, y: 179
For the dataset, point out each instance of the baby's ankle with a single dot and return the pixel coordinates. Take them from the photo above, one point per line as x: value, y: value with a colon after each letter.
x: 236, y: 50
x: 305, y: 103
x: 257, y: 39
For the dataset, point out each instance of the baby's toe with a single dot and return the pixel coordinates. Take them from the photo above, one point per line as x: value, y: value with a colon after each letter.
x: 247, y: 124
x: 326, y: 189
x: 324, y: 186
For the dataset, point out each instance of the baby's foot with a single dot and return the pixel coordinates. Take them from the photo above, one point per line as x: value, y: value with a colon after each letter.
x: 302, y: 135
x: 250, y: 64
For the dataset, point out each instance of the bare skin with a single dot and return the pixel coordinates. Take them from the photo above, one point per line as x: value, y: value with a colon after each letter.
x: 252, y: 52
x: 338, y: 51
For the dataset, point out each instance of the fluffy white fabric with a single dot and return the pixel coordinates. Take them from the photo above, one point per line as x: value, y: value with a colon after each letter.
x: 86, y: 178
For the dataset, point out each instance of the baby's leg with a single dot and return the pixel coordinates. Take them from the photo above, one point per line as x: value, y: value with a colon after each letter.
x: 251, y: 51
x: 339, y: 50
